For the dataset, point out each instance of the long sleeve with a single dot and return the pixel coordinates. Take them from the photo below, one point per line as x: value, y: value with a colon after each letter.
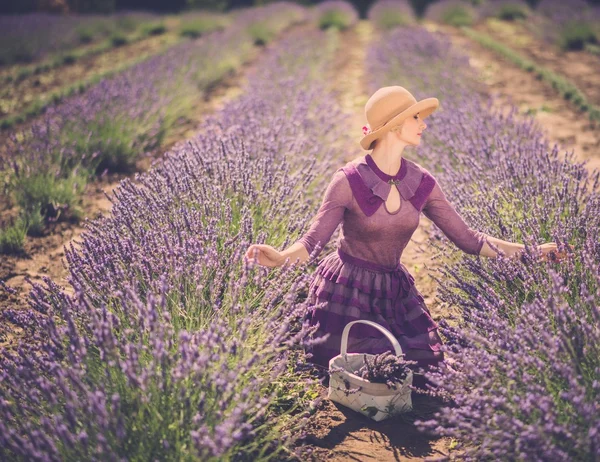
x: 442, y: 213
x: 338, y: 197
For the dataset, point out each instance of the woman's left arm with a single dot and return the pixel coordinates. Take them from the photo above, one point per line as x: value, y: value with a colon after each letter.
x: 514, y: 250
x: 439, y: 210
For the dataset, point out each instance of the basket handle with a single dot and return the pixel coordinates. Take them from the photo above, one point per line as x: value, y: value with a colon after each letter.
x: 382, y: 329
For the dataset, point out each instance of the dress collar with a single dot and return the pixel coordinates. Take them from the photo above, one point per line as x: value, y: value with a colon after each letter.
x: 384, y: 176
x: 410, y: 176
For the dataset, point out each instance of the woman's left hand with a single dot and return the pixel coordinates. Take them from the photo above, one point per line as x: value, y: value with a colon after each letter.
x: 551, y: 253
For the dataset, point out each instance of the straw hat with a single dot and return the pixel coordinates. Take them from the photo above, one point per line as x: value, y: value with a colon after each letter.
x: 388, y: 107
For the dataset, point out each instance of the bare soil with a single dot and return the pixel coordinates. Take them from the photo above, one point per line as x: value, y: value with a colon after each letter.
x: 580, y: 67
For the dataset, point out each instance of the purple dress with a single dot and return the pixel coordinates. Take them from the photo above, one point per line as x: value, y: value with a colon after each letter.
x: 364, y: 278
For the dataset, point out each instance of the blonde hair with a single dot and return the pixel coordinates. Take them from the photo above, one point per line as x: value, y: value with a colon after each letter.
x: 396, y: 128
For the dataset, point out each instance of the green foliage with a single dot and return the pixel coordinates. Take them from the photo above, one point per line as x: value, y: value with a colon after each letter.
x: 208, y: 78
x: 209, y: 5
x: 200, y: 26
x: 23, y: 74
x: 118, y: 40
x: 512, y: 11
x: 34, y: 221
x: 457, y: 15
x: 261, y: 33
x: 153, y: 29
x: 44, y: 195
x: 125, y: 23
x: 12, y: 238
x: 334, y: 18
x: 113, y: 139
x: 392, y: 18
x: 68, y: 58
x: 592, y: 48
x: 86, y: 35
x: 576, y: 34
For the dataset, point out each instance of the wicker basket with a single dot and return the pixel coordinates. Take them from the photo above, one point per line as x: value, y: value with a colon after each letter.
x: 374, y: 400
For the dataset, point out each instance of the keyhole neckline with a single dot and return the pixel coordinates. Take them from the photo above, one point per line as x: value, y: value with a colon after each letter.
x: 399, y: 206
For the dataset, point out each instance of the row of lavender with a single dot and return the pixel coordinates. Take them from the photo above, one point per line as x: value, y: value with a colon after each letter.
x: 47, y: 166
x: 573, y: 24
x: 525, y: 382
x: 570, y: 25
x: 170, y: 348
x: 33, y: 36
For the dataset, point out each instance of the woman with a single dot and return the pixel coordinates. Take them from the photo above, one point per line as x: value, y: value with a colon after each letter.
x: 378, y: 198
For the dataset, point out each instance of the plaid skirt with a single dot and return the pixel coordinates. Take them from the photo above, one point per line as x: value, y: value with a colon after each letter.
x: 347, y: 288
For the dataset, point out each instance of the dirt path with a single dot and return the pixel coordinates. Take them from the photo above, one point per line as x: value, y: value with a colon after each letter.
x: 560, y: 120
x: 340, y: 434
x: 581, y: 67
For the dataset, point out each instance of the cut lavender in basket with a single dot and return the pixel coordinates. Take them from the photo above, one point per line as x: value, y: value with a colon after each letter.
x: 385, y: 368
x: 382, y: 368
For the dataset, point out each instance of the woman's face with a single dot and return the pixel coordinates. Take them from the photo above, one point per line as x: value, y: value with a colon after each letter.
x: 411, y: 130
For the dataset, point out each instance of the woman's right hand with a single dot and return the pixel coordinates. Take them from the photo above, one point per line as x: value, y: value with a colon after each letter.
x: 264, y: 255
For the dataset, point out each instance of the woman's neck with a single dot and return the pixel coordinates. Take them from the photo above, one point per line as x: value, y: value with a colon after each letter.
x: 388, y: 161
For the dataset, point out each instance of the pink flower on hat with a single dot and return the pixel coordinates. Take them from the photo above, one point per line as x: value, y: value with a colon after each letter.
x: 366, y: 129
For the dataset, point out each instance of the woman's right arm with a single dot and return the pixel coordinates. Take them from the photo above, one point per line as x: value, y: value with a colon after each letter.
x: 337, y: 198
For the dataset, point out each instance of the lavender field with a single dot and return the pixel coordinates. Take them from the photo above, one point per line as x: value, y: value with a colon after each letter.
x: 150, y: 336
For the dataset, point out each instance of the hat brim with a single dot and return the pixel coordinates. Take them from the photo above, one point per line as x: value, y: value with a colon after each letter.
x: 424, y: 107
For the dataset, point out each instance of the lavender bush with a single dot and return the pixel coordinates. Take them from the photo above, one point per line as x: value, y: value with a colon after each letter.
x: 103, y: 389
x: 569, y: 25
x: 522, y: 371
x: 382, y: 368
x: 387, y: 14
x: 170, y: 346
x: 385, y: 368
x: 508, y: 10
x: 33, y: 36
x: 452, y: 12
x: 529, y: 388
x: 335, y: 13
